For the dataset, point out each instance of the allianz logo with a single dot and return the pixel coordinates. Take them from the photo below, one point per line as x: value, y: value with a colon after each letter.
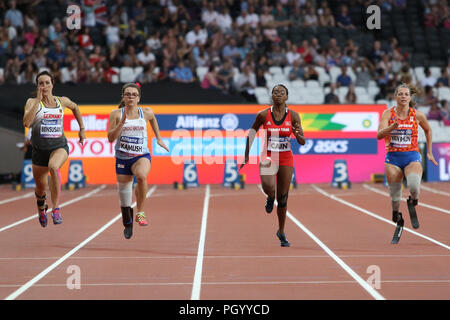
x: 228, y: 121
x: 324, y: 146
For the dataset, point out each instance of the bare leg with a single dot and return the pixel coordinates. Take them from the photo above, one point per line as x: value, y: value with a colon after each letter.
x: 57, y: 159
x: 140, y: 169
x: 284, y: 177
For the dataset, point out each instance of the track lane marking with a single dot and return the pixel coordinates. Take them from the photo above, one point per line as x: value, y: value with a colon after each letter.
x: 349, y: 204
x: 374, y: 293
x: 87, y: 195
x: 30, y: 283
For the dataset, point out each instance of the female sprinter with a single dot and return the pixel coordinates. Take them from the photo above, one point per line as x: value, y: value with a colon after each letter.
x: 44, y: 114
x: 276, y: 159
x: 399, y: 127
x: 128, y: 125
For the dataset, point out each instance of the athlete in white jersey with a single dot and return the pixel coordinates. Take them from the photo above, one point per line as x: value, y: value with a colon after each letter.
x: 128, y: 127
x: 44, y: 114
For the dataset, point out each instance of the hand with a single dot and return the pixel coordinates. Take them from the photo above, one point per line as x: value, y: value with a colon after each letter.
x: 124, y: 115
x: 431, y: 158
x: 82, y: 136
x: 297, y: 130
x: 162, y: 144
x: 244, y: 163
x: 394, y: 125
x: 39, y: 94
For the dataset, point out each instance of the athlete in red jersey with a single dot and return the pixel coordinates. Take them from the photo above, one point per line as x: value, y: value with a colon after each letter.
x: 279, y: 124
x: 399, y: 127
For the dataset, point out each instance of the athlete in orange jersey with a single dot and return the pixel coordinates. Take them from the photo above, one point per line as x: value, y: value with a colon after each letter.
x: 399, y: 127
x: 276, y: 161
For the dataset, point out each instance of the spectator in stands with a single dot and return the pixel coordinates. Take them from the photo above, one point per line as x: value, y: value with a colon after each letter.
x: 133, y: 38
x: 209, y: 15
x: 14, y: 15
x: 280, y: 15
x: 326, y: 19
x: 85, y: 41
x: 146, y: 57
x: 292, y: 55
x: 55, y: 71
x: 311, y: 20
x: 230, y: 50
x: 320, y: 59
x: 296, y: 72
x: 225, y: 75
x: 429, y: 79
x: 343, y: 19
x: 443, y: 80
x: 277, y: 56
x: 138, y: 14
x: 148, y: 75
x: 197, y: 34
x: 311, y: 73
x: 343, y: 80
x: 429, y: 97
x: 306, y: 52
x: 112, y: 32
x: 114, y: 58
x: 108, y: 72
x: 266, y: 16
x: 270, y: 33
x: 350, y: 97
x: 182, y: 73
x: 210, y: 80
x: 364, y: 71
x: 246, y: 84
x: 445, y: 112
x: 130, y: 57
x: 57, y: 54
x: 331, y: 97
x: 434, y: 113
x: 224, y: 21
x: 260, y: 78
x: 39, y: 59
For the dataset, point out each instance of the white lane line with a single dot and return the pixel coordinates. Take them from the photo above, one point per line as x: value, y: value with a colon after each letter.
x: 435, y: 191
x: 397, y: 256
x: 137, y: 284
x: 26, y: 195
x: 404, y: 199
x: 378, y: 217
x: 87, y: 195
x: 196, y: 287
x: 374, y: 293
x: 30, y: 283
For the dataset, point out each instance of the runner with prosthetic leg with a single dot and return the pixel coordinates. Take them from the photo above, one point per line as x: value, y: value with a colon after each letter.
x: 399, y: 127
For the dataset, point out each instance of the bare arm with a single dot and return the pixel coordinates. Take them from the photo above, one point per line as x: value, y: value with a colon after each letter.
x: 297, y: 128
x: 115, y: 124
x: 384, y: 129
x: 150, y: 116
x: 259, y: 121
x: 423, y: 122
x: 31, y: 107
x: 67, y: 103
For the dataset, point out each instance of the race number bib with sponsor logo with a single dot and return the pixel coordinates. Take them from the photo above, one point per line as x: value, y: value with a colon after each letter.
x: 279, y: 144
x: 131, y: 145
x: 401, y: 138
x: 51, y: 128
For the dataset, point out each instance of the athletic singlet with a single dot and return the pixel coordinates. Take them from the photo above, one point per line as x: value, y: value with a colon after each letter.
x: 404, y: 138
x: 132, y: 140
x: 47, y: 128
x: 278, y: 133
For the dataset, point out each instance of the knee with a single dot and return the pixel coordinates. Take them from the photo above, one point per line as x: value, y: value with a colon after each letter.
x: 282, y: 200
x: 53, y: 168
x: 395, y: 190
x: 413, y: 181
x: 141, y: 178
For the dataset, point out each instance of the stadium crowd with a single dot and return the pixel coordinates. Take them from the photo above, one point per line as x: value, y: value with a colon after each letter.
x: 226, y: 45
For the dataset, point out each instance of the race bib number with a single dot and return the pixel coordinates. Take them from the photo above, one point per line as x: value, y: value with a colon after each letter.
x: 131, y: 145
x: 401, y: 138
x: 51, y: 128
x: 279, y: 144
